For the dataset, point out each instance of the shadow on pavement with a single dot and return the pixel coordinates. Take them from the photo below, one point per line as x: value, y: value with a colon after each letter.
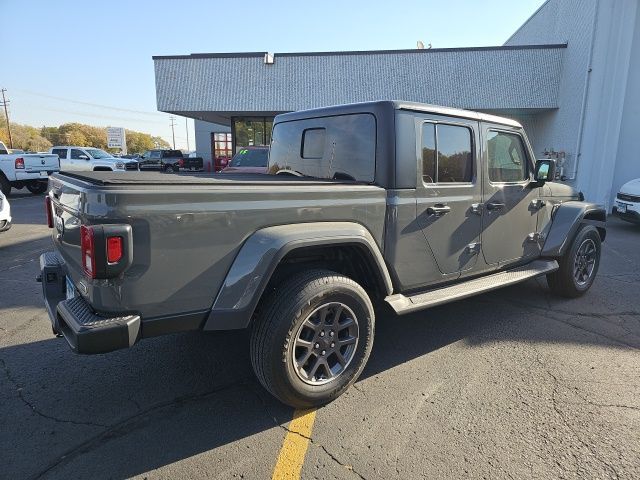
x: 170, y: 398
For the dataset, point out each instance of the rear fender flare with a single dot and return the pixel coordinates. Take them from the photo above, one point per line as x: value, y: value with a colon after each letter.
x: 566, y: 220
x: 262, y: 252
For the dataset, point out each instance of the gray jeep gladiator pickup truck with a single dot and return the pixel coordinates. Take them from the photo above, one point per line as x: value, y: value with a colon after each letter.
x: 409, y: 204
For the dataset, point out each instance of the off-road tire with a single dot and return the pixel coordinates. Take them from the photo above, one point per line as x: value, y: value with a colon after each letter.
x: 37, y: 188
x: 5, y: 186
x: 281, y: 314
x: 563, y: 282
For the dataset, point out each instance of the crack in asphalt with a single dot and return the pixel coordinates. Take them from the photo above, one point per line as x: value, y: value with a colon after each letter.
x: 119, y: 429
x: 603, y: 316
x: 554, y: 403
x: 311, y: 440
x: 34, y: 409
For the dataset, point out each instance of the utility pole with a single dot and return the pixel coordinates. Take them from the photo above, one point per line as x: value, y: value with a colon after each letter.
x: 186, y: 127
x: 6, y: 114
x: 173, y: 133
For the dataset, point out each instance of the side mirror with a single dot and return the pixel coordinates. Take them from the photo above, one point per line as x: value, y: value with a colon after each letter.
x: 545, y: 171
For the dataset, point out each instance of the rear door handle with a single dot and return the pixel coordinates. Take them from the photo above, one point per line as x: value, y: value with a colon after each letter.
x: 495, y: 206
x: 439, y: 210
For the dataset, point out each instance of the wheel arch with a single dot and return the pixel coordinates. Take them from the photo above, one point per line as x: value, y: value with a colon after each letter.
x: 567, y: 218
x: 273, y: 252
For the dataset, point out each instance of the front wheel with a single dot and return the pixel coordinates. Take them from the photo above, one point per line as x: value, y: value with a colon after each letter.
x: 37, y: 187
x: 578, y: 266
x: 312, y: 338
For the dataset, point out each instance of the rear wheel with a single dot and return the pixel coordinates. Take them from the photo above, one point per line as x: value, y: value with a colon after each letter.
x: 578, y: 266
x: 167, y: 168
x: 312, y: 338
x: 37, y: 187
x: 5, y: 186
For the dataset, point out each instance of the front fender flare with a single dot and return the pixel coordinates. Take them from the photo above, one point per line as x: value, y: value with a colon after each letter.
x: 566, y: 220
x: 260, y: 255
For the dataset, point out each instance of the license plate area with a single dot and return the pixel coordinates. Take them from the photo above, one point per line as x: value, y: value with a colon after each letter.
x: 43, y: 173
x: 70, y: 289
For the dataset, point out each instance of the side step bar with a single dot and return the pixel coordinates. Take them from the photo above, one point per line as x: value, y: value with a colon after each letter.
x: 402, y: 304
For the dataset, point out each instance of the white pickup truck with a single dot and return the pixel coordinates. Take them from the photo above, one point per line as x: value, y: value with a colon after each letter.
x: 29, y: 170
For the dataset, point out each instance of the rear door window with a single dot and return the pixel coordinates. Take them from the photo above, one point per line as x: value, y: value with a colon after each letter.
x: 447, y: 153
x: 335, y: 147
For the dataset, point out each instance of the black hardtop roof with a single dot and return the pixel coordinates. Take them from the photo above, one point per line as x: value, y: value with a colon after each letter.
x: 387, y: 106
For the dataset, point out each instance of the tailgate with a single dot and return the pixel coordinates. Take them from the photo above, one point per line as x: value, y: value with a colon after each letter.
x: 36, y: 162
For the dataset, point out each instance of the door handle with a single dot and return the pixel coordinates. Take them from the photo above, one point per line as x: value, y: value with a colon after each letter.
x: 438, y: 210
x: 495, y: 206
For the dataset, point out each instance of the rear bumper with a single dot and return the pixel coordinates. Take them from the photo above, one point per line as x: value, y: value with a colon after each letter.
x: 84, y: 330
x: 24, y: 176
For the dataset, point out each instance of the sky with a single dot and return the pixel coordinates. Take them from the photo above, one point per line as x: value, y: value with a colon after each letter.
x: 89, y: 61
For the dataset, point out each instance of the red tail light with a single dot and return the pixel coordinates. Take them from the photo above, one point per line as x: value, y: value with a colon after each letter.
x: 114, y: 249
x: 181, y: 162
x: 19, y: 163
x: 49, y: 209
x: 87, y: 247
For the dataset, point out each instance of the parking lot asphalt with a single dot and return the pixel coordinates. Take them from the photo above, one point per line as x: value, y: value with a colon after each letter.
x: 511, y: 384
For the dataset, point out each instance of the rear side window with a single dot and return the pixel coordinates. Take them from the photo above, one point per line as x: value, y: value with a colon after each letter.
x: 335, y: 147
x: 506, y: 157
x: 446, y: 153
x: 61, y: 152
x: 313, y: 143
x: 172, y: 153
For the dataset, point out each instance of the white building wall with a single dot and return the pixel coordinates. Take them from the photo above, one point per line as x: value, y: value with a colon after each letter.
x: 628, y: 154
x: 570, y: 22
x: 603, y: 119
x: 596, y: 122
x: 203, y: 132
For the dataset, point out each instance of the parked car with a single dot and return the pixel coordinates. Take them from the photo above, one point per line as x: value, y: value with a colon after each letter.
x: 362, y: 205
x: 249, y: 160
x: 87, y: 159
x: 5, y: 213
x: 29, y: 170
x: 627, y: 206
x: 169, y: 161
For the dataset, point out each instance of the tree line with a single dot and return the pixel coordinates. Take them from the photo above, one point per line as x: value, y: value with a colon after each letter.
x: 35, y: 139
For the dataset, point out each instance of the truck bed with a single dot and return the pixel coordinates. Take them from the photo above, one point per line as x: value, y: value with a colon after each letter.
x: 188, y: 228
x: 212, y: 179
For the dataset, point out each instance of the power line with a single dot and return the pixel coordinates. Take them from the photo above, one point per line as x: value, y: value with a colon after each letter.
x: 5, y: 102
x: 87, y: 103
x: 94, y: 115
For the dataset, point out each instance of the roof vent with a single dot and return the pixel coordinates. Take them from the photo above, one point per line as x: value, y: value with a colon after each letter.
x: 268, y: 58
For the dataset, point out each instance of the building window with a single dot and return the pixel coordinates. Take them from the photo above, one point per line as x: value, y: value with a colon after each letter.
x: 251, y: 131
x: 446, y: 153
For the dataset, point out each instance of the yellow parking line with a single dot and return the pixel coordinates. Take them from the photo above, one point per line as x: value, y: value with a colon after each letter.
x: 294, y: 447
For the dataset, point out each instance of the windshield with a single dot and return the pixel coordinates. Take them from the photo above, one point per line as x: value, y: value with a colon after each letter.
x: 250, y: 158
x: 97, y: 153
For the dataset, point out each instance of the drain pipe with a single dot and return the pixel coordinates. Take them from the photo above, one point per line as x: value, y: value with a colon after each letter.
x: 585, y: 92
